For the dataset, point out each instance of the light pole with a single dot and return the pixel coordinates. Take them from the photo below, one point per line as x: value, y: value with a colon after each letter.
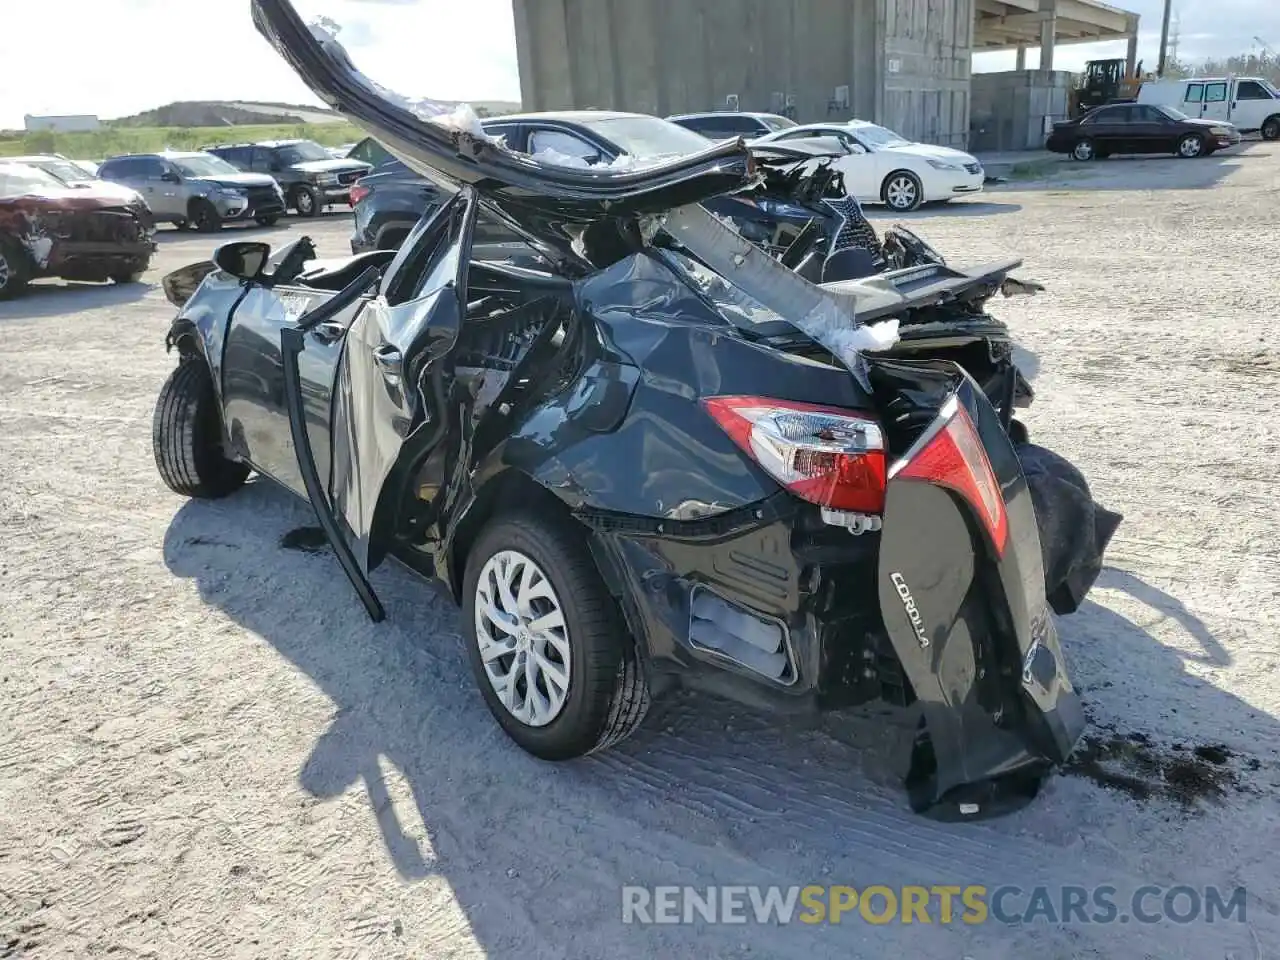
x: 1164, y: 37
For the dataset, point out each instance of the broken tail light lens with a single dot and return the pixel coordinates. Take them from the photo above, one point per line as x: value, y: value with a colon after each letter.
x: 358, y: 193
x: 826, y: 455
x: 952, y: 456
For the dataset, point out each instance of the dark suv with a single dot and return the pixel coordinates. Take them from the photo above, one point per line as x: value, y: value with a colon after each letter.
x: 310, y: 177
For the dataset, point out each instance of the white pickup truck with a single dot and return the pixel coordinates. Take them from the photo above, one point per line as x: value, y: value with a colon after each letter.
x: 1252, y: 104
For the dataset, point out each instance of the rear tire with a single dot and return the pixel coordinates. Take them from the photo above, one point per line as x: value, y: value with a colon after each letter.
x: 606, y: 695
x: 1271, y: 128
x: 1083, y: 150
x: 186, y: 436
x: 15, y: 269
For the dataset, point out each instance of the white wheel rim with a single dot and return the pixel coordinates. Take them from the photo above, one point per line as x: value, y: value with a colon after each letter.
x: 1190, y: 147
x: 1084, y: 150
x: 4, y: 271
x: 523, y: 640
x: 304, y: 202
x: 902, y: 192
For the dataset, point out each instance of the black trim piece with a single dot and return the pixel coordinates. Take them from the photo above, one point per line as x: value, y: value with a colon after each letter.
x: 293, y: 341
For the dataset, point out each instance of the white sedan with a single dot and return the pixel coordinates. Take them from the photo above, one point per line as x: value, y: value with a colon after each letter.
x: 882, y: 167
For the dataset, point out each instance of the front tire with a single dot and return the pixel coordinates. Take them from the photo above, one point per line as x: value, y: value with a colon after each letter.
x: 1191, y: 146
x: 15, y: 269
x: 547, y: 643
x: 128, y: 276
x: 902, y: 191
x: 306, y: 200
x: 205, y: 216
x: 186, y: 436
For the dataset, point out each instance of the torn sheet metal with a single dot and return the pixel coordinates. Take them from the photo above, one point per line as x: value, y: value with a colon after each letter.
x: 828, y: 316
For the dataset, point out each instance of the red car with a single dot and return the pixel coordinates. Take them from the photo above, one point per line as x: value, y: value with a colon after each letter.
x: 48, y: 229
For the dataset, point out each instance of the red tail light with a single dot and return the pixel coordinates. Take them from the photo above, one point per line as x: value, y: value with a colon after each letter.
x: 953, y: 457
x: 827, y: 455
x: 358, y: 193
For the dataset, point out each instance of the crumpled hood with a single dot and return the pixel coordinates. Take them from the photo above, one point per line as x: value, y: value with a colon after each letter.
x: 933, y: 152
x: 107, y: 188
x: 453, y: 155
x: 238, y: 179
x: 331, y: 166
x: 70, y: 198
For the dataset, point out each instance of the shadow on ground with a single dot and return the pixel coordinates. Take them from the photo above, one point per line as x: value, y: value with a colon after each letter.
x: 706, y: 792
x: 954, y: 208
x: 52, y: 298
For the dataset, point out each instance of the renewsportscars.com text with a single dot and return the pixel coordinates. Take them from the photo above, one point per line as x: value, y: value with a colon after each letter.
x: 939, y: 904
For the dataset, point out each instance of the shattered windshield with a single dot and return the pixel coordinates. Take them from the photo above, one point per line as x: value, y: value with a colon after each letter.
x: 203, y: 165
x: 648, y: 136
x: 16, y: 180
x: 65, y: 170
x: 303, y: 152
x: 880, y: 136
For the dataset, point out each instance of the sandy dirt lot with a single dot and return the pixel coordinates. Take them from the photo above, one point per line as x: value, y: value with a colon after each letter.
x: 207, y: 751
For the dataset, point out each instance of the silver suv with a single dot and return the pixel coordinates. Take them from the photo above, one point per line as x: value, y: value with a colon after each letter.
x: 197, y: 189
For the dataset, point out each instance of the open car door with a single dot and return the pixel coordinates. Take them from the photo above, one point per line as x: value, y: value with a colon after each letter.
x: 390, y: 383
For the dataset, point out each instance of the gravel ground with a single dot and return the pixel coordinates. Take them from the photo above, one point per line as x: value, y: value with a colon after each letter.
x: 207, y: 751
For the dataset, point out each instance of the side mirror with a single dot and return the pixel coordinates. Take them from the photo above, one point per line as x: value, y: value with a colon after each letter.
x: 593, y: 159
x: 242, y: 258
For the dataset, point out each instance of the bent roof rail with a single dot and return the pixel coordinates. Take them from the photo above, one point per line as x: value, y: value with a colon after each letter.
x: 436, y: 150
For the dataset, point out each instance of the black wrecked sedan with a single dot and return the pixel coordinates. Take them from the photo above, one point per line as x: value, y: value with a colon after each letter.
x: 642, y: 453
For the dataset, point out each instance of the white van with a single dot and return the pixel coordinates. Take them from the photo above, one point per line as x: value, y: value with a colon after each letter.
x: 1251, y: 103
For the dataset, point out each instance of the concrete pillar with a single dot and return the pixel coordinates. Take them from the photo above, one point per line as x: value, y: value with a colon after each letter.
x: 1048, y: 32
x: 1131, y: 53
x: 1021, y: 63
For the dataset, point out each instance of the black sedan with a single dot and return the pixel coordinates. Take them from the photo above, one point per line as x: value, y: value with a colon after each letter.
x: 1139, y: 128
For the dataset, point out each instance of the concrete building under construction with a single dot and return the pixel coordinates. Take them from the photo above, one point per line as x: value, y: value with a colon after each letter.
x: 904, y: 63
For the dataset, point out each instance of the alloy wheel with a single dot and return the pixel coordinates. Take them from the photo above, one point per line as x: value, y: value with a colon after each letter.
x: 523, y: 639
x: 305, y: 202
x: 1083, y: 150
x: 901, y: 193
x: 4, y: 271
x: 1190, y: 146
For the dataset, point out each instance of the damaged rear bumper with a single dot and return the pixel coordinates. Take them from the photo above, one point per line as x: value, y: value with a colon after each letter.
x: 771, y: 606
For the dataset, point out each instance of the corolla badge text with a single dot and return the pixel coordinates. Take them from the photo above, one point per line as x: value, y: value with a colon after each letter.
x: 913, y: 612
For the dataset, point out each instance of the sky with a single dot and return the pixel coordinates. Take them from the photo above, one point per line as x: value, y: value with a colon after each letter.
x: 118, y: 57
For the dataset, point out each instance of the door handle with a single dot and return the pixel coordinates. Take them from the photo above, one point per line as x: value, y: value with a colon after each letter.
x: 329, y: 331
x: 388, y: 358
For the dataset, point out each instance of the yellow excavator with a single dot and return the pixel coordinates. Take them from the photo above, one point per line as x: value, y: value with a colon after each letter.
x: 1104, y: 81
